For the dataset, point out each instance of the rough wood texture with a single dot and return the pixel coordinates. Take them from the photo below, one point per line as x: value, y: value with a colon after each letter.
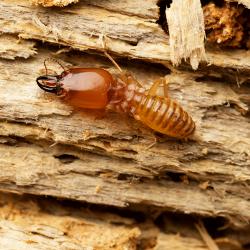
x: 31, y: 223
x: 175, y: 241
x: 131, y: 33
x: 125, y: 171
x: 11, y: 47
x: 61, y: 3
x: 50, y: 3
x: 47, y: 148
x: 185, y: 42
x: 150, y: 9
x: 27, y: 223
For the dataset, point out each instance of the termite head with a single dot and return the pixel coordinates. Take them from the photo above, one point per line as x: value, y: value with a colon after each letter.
x: 50, y: 83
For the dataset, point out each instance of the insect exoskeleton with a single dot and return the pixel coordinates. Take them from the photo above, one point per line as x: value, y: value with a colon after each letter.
x: 160, y: 113
x: 96, y: 88
x: 165, y: 116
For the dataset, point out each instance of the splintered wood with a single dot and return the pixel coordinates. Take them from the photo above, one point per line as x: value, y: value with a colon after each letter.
x: 33, y: 223
x: 49, y: 149
x: 129, y: 32
x: 38, y: 224
x: 110, y: 155
x: 186, y: 32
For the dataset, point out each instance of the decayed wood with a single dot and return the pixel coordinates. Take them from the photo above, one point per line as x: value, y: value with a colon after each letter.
x: 61, y: 3
x: 50, y: 3
x: 175, y: 241
x: 183, y: 232
x: 12, y: 47
x: 150, y: 9
x: 246, y: 3
x: 112, y: 163
x: 27, y: 223
x: 185, y: 42
x: 130, y: 32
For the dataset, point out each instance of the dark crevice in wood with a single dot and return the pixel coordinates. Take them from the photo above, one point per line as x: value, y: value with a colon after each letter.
x: 163, y: 4
x: 66, y: 158
x: 241, y: 21
x: 218, y: 3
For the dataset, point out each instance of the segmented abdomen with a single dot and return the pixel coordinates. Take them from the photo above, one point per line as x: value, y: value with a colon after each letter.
x: 162, y: 115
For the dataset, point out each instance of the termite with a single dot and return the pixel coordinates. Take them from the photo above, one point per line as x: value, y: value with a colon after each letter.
x: 96, y: 88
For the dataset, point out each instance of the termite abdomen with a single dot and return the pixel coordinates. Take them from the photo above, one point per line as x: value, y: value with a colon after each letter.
x: 163, y: 115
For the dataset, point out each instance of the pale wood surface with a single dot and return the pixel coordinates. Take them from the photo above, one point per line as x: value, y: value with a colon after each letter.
x: 186, y: 43
x: 32, y: 224
x: 120, y: 168
x: 131, y: 33
x: 61, y: 3
x: 175, y: 241
x: 11, y: 47
x: 27, y: 222
x: 47, y: 148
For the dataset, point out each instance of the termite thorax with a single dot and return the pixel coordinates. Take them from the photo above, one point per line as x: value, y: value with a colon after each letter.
x: 125, y: 97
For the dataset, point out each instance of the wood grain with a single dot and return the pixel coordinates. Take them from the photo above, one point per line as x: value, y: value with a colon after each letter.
x: 129, y: 33
x: 11, y: 47
x: 49, y: 149
x: 78, y: 155
x: 28, y: 223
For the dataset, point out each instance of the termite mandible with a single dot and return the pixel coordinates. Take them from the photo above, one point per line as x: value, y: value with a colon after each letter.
x: 96, y: 88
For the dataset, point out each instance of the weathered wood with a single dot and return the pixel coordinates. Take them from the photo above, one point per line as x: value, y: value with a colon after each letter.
x: 186, y: 43
x: 182, y: 230
x: 175, y: 241
x: 120, y: 169
x: 61, y: 3
x: 50, y: 3
x: 27, y: 223
x: 11, y: 47
x: 47, y: 148
x: 129, y: 34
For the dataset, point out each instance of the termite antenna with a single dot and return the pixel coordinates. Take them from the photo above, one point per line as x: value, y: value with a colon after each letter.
x: 53, y: 60
x: 108, y: 55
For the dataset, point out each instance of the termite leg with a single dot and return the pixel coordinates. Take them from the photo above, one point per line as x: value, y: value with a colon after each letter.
x: 131, y: 79
x: 53, y: 60
x: 166, y: 92
x: 126, y: 77
x: 153, y: 89
x: 152, y: 144
x: 155, y: 86
x: 107, y: 54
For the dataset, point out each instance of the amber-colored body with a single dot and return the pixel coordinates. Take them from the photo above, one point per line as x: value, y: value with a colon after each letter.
x: 157, y: 112
x: 86, y: 88
x: 95, y: 88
